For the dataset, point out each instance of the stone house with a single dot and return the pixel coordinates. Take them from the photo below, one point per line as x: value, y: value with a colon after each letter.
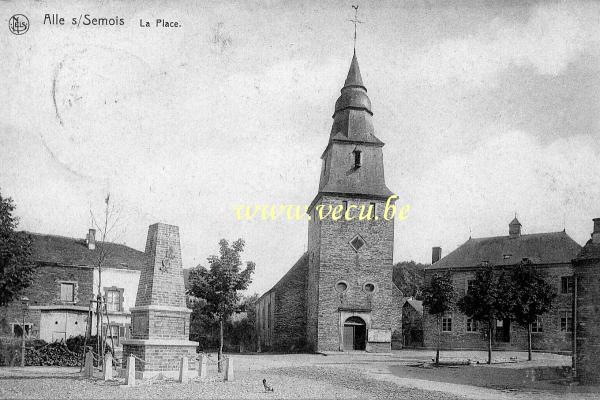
x: 66, y: 280
x: 340, y: 294
x: 587, y: 309
x: 550, y: 252
x: 412, y: 323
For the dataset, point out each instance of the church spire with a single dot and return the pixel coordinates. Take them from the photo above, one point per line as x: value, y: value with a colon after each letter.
x: 353, y: 158
x: 354, y: 78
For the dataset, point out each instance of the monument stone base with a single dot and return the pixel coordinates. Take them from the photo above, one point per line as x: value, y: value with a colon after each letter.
x: 162, y: 358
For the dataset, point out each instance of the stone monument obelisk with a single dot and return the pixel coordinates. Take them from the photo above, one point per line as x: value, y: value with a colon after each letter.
x: 160, y: 319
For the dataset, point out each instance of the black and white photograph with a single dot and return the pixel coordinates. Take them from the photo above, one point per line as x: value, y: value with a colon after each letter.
x: 276, y: 199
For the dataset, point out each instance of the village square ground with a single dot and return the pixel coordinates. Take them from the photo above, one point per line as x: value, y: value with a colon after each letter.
x: 349, y: 375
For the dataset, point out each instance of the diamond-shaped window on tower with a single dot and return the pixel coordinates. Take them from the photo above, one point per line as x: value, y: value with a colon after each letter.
x: 357, y: 243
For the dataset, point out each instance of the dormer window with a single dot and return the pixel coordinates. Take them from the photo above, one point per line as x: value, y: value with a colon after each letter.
x: 357, y: 158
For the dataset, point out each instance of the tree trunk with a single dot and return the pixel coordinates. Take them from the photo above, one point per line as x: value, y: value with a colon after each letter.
x: 529, y: 342
x: 439, y: 339
x: 98, y: 330
x: 220, y: 357
x: 489, y: 342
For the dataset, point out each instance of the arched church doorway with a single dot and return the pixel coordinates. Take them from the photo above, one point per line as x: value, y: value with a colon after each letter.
x: 355, y: 334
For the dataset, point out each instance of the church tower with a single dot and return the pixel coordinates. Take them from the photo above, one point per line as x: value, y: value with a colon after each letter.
x: 349, y: 288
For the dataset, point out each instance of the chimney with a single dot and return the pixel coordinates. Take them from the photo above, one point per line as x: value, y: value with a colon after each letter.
x: 436, y: 254
x: 596, y: 233
x: 91, y: 239
x: 514, y: 228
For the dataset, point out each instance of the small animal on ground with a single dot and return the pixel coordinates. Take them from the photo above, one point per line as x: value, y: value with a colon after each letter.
x: 267, y: 387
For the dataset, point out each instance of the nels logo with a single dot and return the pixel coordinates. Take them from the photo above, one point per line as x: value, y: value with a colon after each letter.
x: 18, y: 24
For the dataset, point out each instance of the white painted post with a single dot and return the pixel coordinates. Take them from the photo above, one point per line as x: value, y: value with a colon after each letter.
x: 202, y: 367
x: 229, y: 369
x: 108, y: 367
x: 183, y: 367
x: 130, y: 377
x: 88, y: 366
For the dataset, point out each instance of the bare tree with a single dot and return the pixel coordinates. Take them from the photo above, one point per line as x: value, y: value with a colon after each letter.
x: 105, y: 227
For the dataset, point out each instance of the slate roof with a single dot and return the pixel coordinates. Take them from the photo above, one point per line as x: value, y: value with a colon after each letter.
x: 61, y: 250
x: 539, y: 248
x: 590, y: 251
x: 354, y: 78
x: 416, y: 304
x: 301, y: 263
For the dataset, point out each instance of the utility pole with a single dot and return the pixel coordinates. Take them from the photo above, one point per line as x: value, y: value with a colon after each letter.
x: 574, y: 330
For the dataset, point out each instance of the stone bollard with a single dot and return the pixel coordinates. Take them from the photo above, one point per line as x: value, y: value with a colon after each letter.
x: 183, y: 368
x: 130, y: 377
x: 88, y: 365
x: 202, y: 366
x: 108, y: 367
x: 229, y: 369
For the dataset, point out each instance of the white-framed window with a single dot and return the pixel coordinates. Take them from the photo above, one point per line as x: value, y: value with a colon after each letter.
x: 67, y: 292
x: 471, y: 325
x: 566, y: 321
x: 114, y: 332
x: 113, y: 300
x: 447, y: 323
x: 537, y: 326
x: 17, y: 329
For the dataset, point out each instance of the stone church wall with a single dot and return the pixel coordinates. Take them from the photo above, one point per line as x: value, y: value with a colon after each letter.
x: 370, y: 264
x: 284, y: 327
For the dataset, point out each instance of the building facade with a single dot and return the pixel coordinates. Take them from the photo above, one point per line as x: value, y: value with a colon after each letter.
x: 549, y: 252
x: 339, y: 295
x: 587, y: 278
x: 412, y: 323
x: 64, y: 284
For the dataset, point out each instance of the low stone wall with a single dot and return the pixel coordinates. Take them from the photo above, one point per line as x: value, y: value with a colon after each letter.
x: 375, y: 347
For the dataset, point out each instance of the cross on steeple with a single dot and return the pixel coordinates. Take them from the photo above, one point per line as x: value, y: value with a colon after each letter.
x: 355, y: 21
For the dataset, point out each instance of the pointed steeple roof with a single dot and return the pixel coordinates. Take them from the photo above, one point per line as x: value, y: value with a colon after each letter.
x: 354, y: 78
x: 515, y: 221
x: 353, y: 93
x: 353, y: 126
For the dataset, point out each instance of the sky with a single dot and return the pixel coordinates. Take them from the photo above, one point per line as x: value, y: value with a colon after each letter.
x: 487, y: 109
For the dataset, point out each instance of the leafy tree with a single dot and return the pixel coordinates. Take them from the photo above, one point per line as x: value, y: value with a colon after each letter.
x: 438, y: 298
x: 239, y: 329
x: 218, y: 286
x: 16, y: 264
x: 408, y: 277
x: 487, y: 300
x: 532, y: 297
